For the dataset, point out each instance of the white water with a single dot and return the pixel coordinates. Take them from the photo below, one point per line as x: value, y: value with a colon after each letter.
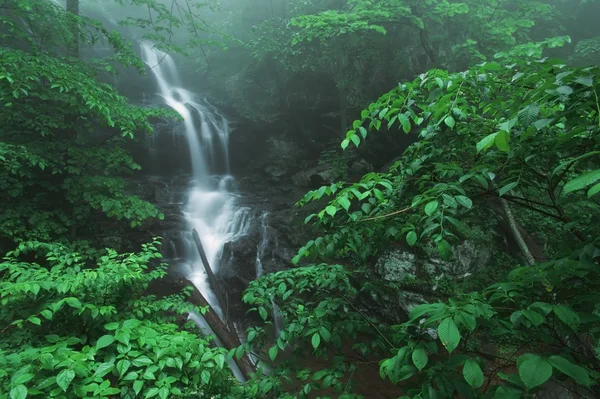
x: 210, y: 206
x: 261, y: 250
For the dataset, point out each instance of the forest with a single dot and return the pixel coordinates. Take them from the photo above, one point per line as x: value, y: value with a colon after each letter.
x: 297, y: 199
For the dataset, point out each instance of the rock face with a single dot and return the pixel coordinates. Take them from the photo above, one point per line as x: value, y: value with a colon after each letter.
x: 398, y: 265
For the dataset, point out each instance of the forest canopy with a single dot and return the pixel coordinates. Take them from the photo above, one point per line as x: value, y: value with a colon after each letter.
x: 463, y: 263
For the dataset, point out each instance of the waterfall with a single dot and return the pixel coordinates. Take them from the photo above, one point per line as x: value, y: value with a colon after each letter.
x: 260, y: 253
x: 210, y: 205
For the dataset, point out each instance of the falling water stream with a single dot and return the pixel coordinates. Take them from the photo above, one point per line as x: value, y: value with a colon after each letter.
x: 210, y: 206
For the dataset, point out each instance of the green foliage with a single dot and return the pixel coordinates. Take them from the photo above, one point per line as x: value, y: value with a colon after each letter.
x: 61, y: 155
x: 72, y: 330
x: 525, y: 131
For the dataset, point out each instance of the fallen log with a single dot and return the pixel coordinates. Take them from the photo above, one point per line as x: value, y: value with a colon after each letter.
x: 212, y: 280
x: 228, y: 338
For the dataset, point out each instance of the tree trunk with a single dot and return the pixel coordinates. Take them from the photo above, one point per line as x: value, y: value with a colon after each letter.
x: 212, y: 280
x: 228, y: 338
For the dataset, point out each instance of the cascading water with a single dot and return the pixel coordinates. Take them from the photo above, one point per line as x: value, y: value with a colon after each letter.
x: 210, y: 207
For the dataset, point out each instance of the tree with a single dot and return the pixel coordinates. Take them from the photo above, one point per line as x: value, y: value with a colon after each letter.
x: 61, y: 153
x: 514, y: 141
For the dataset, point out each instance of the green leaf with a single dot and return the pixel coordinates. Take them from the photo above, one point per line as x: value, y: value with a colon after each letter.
x: 331, y: 210
x: 345, y: 144
x: 473, y: 374
x: 419, y: 358
x: 316, y: 340
x: 64, y: 378
x: 578, y: 373
x: 594, y: 190
x: 411, y: 238
x: 486, y: 142
x: 542, y: 123
x: 464, y: 201
x: 205, y: 376
x: 273, y: 352
x: 507, y: 188
x: 567, y: 316
x: 263, y: 313
x: 18, y: 392
x: 529, y: 114
x: 582, y: 181
x: 466, y: 319
x: 449, y: 334
x: 122, y: 366
x: 534, y: 317
x: 344, y: 202
x: 151, y: 393
x: 111, y: 326
x: 501, y: 140
x: 104, y: 341
x: 137, y: 386
x: 565, y: 90
x: 534, y: 371
x: 405, y: 122
x: 450, y: 122
x: 431, y: 207
x: 587, y: 81
x: 363, y: 132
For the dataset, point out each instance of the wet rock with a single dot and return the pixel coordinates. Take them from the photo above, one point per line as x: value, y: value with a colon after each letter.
x: 314, y: 177
x: 361, y: 168
x: 396, y: 265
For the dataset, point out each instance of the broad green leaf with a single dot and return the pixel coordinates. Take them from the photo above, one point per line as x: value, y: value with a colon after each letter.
x: 582, y: 181
x: 18, y: 392
x: 533, y: 316
x: 449, y: 334
x: 104, y: 341
x: 464, y: 201
x: 565, y: 90
x: 363, y: 132
x: 507, y: 188
x: 273, y: 352
x: 535, y: 371
x: 419, y: 358
x: 501, y: 140
x: 263, y: 313
x: 585, y: 80
x: 345, y: 144
x: 405, y: 122
x: 450, y: 122
x: 567, y: 316
x: 137, y: 386
x: 528, y: 115
x: 431, y: 207
x: 64, y: 378
x: 578, y: 373
x: 593, y: 190
x: 473, y: 374
x: 331, y: 210
x: 486, y: 142
x: 344, y: 202
x: 316, y: 340
x: 111, y: 326
x: 411, y: 238
x: 542, y: 123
